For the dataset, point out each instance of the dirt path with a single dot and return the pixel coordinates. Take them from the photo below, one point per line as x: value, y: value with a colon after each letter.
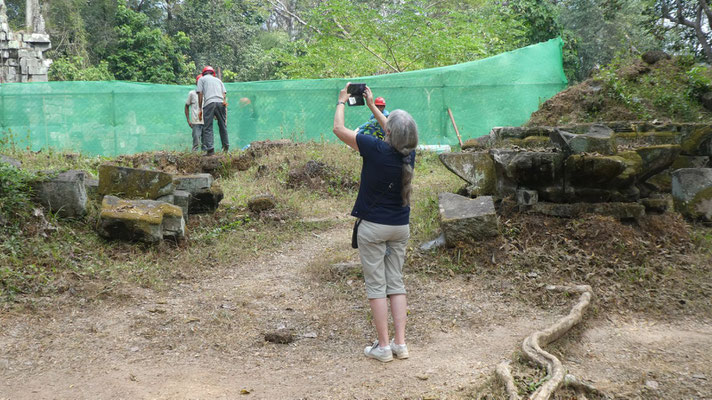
x: 204, y: 339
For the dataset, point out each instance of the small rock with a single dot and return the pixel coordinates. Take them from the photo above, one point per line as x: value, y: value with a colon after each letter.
x: 9, y: 160
x: 434, y: 244
x: 532, y: 275
x: 653, y: 56
x: 651, y: 384
x: 262, y: 202
x: 310, y: 335
x: 281, y: 336
x: 700, y: 376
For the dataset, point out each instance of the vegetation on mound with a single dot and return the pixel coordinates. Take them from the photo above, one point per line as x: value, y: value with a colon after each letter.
x: 629, y: 89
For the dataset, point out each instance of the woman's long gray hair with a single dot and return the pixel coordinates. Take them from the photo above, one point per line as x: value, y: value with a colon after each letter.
x: 403, y: 136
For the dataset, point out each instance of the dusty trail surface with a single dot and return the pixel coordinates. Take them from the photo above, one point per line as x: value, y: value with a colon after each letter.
x: 204, y: 339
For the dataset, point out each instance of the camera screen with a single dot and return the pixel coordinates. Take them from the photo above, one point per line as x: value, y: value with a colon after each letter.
x: 356, y: 88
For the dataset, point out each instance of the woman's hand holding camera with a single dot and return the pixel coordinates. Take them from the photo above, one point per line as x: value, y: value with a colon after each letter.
x: 343, y: 94
x: 368, y: 95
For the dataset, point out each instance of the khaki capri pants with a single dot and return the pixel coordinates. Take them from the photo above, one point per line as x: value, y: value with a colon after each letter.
x: 382, y: 251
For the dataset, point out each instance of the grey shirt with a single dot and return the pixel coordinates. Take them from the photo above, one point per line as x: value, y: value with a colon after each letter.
x: 212, y: 89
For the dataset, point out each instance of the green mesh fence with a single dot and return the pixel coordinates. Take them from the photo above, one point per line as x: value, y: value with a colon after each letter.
x: 111, y: 118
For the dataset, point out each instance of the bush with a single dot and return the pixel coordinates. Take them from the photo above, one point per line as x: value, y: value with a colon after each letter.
x: 15, y: 194
x: 76, y: 69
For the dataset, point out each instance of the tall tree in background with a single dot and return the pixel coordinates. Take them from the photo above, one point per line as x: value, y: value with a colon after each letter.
x: 605, y: 28
x: 142, y: 53
x: 222, y: 32
x: 695, y: 19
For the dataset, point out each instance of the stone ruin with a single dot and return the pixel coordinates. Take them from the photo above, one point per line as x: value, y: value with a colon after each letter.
x: 620, y: 169
x: 136, y: 204
x: 22, y: 53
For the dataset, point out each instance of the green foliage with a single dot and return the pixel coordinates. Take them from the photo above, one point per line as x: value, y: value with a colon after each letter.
x: 354, y: 38
x: 15, y: 202
x: 142, y: 53
x: 75, y: 69
x: 700, y: 81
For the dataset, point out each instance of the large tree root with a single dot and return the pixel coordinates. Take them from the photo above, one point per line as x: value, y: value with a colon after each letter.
x: 556, y: 373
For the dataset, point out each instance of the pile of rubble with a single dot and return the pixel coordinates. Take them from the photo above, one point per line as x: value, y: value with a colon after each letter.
x: 136, y: 204
x: 622, y: 169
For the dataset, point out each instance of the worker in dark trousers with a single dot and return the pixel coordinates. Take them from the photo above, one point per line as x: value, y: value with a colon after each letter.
x: 212, y: 100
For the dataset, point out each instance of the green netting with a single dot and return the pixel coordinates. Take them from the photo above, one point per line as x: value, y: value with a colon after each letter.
x: 111, y: 118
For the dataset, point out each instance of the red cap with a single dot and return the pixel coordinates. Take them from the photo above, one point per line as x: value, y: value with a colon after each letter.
x: 197, y: 78
x: 207, y: 69
x: 380, y: 101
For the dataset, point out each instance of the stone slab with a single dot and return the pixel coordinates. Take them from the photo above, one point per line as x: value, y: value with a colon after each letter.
x: 476, y: 168
x: 134, y: 183
x: 140, y: 220
x: 599, y: 139
x: 465, y: 220
x: 692, y: 192
x: 193, y: 183
x: 64, y: 194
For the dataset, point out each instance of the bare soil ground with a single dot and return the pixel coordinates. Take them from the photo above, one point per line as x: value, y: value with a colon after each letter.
x: 203, y: 338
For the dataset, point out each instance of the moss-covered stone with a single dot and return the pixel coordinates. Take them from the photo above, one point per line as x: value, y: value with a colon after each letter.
x: 536, y: 141
x: 647, y: 138
x: 634, y: 166
x: 700, y: 206
x: 143, y: 220
x: 656, y: 158
x: 692, y: 192
x: 662, y: 182
x: 692, y: 143
x: 593, y: 171
x: 133, y: 183
x: 476, y: 168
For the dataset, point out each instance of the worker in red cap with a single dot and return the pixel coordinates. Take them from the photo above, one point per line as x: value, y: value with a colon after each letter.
x: 372, y: 127
x: 192, y: 114
x: 212, y: 100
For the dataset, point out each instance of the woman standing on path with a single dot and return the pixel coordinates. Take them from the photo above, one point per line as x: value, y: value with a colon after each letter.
x: 383, y: 205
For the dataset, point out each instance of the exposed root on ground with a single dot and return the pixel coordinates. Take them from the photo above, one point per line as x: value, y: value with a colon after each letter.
x: 532, y: 348
x: 505, y: 377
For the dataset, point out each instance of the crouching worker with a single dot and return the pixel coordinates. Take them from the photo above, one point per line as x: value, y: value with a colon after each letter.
x: 383, y: 206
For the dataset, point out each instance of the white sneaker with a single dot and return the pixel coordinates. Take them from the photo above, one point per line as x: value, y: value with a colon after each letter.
x: 383, y: 354
x: 399, y: 350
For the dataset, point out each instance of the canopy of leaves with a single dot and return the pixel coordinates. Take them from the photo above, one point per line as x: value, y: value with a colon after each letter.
x: 169, y: 41
x: 355, y: 38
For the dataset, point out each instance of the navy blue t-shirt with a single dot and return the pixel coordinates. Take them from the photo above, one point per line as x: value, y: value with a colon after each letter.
x: 382, y: 166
